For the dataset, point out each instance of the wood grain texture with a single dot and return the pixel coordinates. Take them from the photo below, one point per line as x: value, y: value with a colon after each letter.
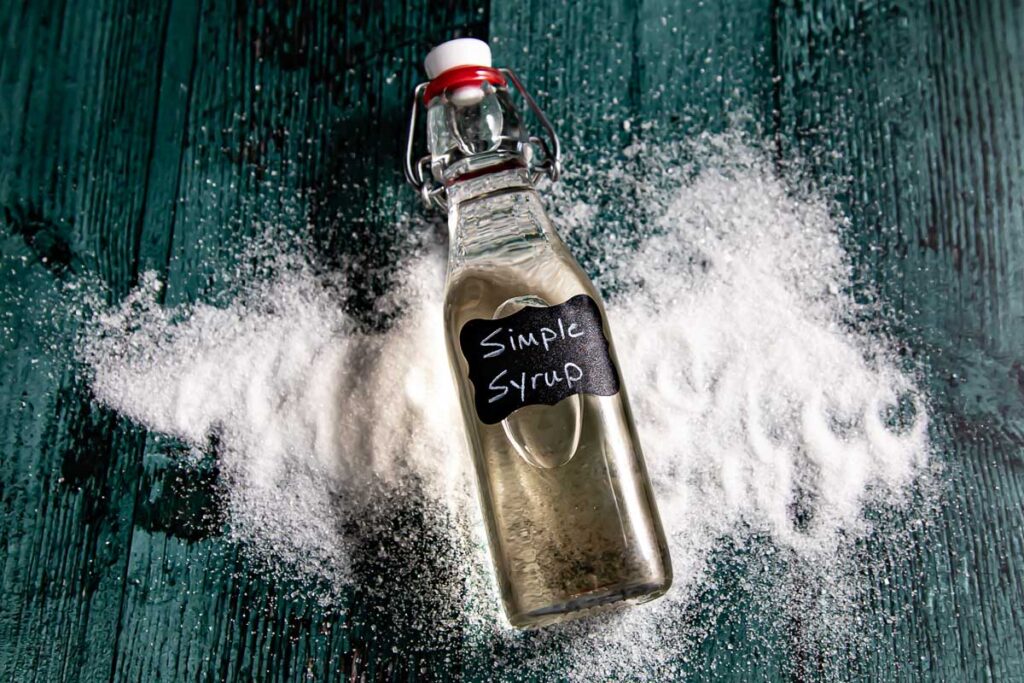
x: 915, y: 109
x: 77, y: 132
x: 293, y: 122
x: 155, y: 138
x: 157, y: 135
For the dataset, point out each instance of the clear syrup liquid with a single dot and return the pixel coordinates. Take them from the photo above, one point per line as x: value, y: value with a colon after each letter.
x: 565, y: 495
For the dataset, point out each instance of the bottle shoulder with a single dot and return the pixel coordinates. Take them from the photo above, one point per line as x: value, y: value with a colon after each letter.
x: 477, y: 289
x: 503, y: 246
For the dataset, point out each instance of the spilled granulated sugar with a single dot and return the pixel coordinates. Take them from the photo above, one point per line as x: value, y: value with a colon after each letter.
x: 310, y: 415
x: 771, y: 423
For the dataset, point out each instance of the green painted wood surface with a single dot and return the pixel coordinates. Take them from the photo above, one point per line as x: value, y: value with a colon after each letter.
x: 156, y: 135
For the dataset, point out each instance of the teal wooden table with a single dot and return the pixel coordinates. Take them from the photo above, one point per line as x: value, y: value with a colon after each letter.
x: 117, y: 115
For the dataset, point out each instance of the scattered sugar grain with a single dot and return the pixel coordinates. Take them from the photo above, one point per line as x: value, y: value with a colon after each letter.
x: 761, y: 407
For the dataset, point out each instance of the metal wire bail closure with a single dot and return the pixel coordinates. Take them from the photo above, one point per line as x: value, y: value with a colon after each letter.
x: 432, y: 193
x: 551, y: 164
x: 417, y: 172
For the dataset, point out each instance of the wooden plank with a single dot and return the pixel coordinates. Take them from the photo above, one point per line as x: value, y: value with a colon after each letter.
x: 294, y: 121
x: 705, y: 67
x: 580, y: 69
x: 917, y: 107
x: 77, y: 122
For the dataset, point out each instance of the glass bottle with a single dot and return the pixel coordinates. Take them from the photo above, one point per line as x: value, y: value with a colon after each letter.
x: 566, y: 500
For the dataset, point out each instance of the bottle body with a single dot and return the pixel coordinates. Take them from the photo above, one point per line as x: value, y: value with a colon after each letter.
x: 564, y: 492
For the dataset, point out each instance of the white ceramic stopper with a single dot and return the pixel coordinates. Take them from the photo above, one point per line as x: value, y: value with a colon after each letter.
x: 458, y: 52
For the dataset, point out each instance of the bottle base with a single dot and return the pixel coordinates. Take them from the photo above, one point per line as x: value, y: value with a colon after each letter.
x: 590, y: 603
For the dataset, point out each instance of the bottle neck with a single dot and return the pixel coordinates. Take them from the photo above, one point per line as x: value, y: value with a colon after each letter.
x: 496, y: 216
x: 473, y: 131
x: 497, y: 178
x: 481, y: 154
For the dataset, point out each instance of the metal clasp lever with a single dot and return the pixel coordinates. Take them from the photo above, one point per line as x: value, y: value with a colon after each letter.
x: 551, y: 164
x: 417, y: 173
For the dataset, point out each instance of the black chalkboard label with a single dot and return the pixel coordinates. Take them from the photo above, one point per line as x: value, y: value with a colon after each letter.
x: 540, y: 354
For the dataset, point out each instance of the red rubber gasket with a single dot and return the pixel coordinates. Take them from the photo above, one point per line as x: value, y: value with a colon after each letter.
x: 462, y: 76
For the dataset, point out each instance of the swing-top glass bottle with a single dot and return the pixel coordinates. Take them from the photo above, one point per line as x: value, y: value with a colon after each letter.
x: 565, y: 495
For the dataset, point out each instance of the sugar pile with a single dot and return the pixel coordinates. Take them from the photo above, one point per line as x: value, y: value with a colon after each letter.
x: 764, y: 412
x: 768, y: 401
x: 310, y: 415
